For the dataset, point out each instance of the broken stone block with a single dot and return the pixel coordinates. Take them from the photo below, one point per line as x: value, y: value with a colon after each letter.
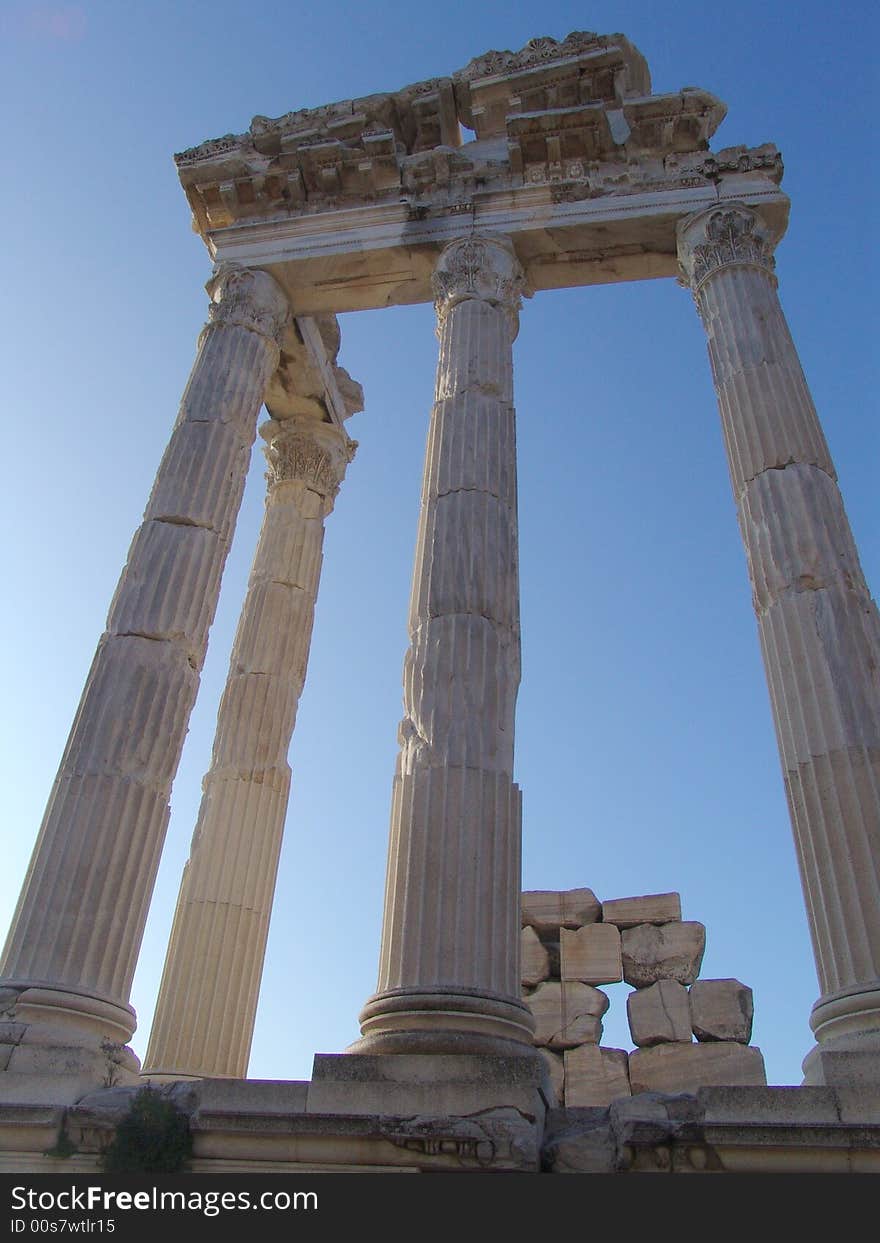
x: 579, y: 1143
x: 567, y: 1014
x: 591, y: 954
x: 651, y: 908
x: 549, y: 910
x: 686, y: 1067
x: 535, y: 961
x: 659, y: 1014
x: 595, y: 1076
x: 653, y: 952
x: 556, y: 1066
x: 722, y: 1010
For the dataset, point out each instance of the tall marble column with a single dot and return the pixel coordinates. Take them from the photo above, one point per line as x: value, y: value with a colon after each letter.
x: 449, y: 971
x: 819, y: 628
x: 207, y: 1002
x: 75, y: 937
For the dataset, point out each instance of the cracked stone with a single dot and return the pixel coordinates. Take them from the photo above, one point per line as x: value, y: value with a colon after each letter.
x: 594, y: 1076
x: 556, y: 1066
x: 549, y: 910
x: 535, y: 960
x: 567, y: 1014
x: 580, y: 1142
x: 722, y: 1010
x: 8, y: 999
x: 659, y: 1014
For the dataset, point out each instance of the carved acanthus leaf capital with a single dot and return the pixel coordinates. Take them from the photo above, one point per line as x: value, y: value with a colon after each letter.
x: 248, y: 298
x: 482, y: 268
x: 729, y: 236
x: 309, y: 452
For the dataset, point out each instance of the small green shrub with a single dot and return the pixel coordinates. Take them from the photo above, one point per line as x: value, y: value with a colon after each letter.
x: 64, y: 1146
x: 153, y: 1138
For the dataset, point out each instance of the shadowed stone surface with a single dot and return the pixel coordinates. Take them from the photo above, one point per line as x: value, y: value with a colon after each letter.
x: 659, y: 1014
x: 535, y: 960
x: 652, y: 908
x: 722, y: 1010
x: 595, y: 1076
x: 591, y: 954
x: 685, y: 1067
x: 664, y: 952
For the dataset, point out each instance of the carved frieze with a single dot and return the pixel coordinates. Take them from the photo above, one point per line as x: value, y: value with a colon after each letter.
x: 208, y: 150
x: 547, y: 75
x: 536, y: 52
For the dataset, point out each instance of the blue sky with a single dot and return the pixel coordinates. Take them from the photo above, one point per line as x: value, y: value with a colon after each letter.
x: 645, y: 747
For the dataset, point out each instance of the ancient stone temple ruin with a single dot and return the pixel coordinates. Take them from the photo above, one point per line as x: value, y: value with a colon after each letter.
x: 576, y: 174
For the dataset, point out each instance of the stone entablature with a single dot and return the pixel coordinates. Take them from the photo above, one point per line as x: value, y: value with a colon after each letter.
x: 572, y: 156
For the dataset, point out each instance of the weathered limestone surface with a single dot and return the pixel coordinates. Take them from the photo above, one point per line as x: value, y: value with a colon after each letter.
x: 686, y: 1067
x: 207, y: 1002
x: 737, y: 1129
x: 652, y: 908
x: 819, y: 627
x: 659, y: 1014
x: 595, y: 1076
x: 449, y: 975
x: 653, y: 952
x: 549, y: 910
x: 535, y: 960
x: 556, y: 1066
x: 722, y: 1010
x: 567, y: 1014
x: 444, y: 1084
x: 591, y: 954
x: 79, y: 921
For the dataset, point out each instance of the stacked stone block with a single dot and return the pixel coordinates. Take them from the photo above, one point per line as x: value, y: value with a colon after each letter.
x: 688, y: 1032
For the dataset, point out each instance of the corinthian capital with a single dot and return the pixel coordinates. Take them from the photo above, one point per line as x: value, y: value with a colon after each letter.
x: 248, y: 298
x: 723, y: 237
x: 308, y: 452
x: 482, y: 268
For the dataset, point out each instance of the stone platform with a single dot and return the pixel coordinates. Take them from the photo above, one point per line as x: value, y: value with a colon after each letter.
x: 422, y: 1114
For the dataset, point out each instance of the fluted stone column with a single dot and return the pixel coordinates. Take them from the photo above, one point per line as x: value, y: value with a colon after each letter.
x: 449, y: 972
x: 207, y: 1002
x: 75, y: 937
x: 819, y: 628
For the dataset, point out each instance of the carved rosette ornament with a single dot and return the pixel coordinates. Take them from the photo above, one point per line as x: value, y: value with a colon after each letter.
x: 732, y: 236
x: 481, y: 268
x: 312, y: 453
x: 248, y: 298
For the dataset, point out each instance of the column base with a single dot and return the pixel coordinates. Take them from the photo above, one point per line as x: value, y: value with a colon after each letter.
x: 429, y: 1085
x: 847, y: 1029
x: 56, y: 1045
x: 848, y: 1018
x: 842, y: 1068
x: 436, y: 1020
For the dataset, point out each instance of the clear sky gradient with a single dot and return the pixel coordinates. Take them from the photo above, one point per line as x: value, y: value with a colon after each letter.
x: 645, y: 747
